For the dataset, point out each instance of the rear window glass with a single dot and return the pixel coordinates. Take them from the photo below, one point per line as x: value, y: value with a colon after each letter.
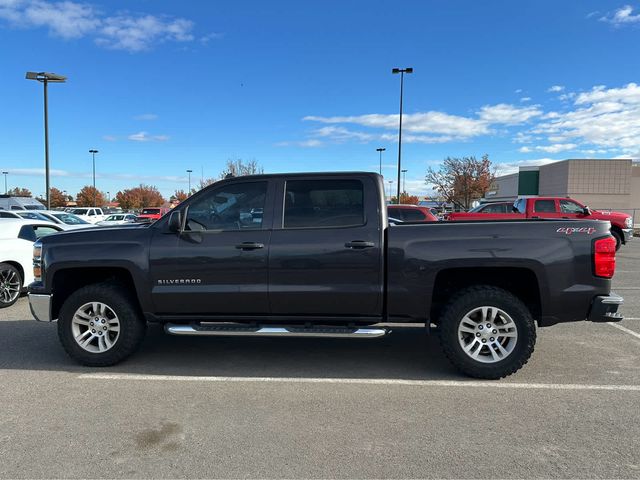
x: 150, y: 211
x: 323, y: 203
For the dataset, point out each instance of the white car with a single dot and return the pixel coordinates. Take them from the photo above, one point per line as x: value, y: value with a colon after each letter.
x: 90, y: 214
x: 118, y: 219
x: 67, y: 221
x: 16, y: 254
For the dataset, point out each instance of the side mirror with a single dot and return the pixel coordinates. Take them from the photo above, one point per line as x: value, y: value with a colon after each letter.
x: 175, y: 221
x: 586, y: 211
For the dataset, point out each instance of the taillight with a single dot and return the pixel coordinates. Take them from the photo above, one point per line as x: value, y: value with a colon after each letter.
x: 604, y: 257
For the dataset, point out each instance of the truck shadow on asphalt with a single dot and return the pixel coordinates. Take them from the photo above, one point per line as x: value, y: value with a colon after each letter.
x: 407, y: 353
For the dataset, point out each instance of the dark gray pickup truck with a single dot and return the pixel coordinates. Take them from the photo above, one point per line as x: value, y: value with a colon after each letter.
x: 313, y: 255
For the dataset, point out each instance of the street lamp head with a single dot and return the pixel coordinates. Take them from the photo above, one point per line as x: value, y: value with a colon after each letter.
x: 93, y: 151
x: 380, y: 149
x: 404, y: 170
x: 402, y: 70
x: 46, y: 77
x: 408, y: 70
x: 5, y: 173
x: 189, y: 171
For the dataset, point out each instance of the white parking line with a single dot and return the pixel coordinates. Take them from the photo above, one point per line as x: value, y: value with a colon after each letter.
x: 360, y: 381
x: 623, y: 329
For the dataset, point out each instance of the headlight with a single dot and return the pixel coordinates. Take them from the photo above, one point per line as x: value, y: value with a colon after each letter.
x: 37, y: 261
x: 628, y: 222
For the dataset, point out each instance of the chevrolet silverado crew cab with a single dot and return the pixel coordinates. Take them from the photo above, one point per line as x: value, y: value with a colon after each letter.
x: 551, y: 207
x: 313, y: 255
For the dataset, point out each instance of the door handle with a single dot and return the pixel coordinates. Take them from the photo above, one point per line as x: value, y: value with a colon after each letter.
x: 359, y: 244
x: 249, y: 246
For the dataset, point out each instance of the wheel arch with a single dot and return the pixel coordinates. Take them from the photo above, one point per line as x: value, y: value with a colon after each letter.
x: 520, y: 281
x: 68, y: 280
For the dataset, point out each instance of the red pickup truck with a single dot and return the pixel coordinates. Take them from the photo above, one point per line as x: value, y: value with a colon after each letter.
x: 556, y: 208
x: 151, y: 214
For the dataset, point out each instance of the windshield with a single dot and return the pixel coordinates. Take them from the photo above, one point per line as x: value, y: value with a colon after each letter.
x: 80, y: 211
x: 69, y: 218
x: 33, y: 216
x: 150, y: 211
x: 34, y: 207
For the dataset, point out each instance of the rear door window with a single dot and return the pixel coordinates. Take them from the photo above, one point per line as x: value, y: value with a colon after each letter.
x: 323, y: 204
x: 544, y: 206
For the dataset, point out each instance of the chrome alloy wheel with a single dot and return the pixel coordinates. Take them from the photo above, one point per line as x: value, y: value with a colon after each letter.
x: 95, y: 327
x: 487, y: 334
x: 9, y: 285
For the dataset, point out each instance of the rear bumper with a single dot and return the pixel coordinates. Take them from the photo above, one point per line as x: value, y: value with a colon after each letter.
x: 627, y: 233
x: 604, y: 308
x: 40, y: 306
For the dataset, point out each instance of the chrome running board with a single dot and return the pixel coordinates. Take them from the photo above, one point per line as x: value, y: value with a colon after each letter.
x: 204, y: 329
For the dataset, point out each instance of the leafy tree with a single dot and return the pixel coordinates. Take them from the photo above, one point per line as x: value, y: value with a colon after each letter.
x: 57, y: 198
x: 139, y: 197
x: 19, y: 192
x: 178, y: 196
x: 90, y: 197
x: 406, y: 199
x: 462, y: 180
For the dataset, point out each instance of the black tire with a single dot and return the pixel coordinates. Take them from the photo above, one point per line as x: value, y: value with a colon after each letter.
x: 132, y: 324
x: 618, y: 238
x: 465, y: 301
x: 9, y: 275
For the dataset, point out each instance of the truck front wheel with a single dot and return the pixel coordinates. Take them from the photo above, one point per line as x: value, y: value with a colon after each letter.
x: 99, y: 325
x: 487, y: 332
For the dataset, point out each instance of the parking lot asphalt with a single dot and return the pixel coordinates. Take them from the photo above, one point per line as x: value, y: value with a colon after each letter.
x: 385, y: 408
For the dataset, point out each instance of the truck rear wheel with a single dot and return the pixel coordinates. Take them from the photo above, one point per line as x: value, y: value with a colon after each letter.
x: 99, y: 325
x: 487, y: 332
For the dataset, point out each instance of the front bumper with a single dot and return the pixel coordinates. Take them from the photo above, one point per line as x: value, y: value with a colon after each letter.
x: 627, y: 233
x: 604, y: 308
x: 40, y: 306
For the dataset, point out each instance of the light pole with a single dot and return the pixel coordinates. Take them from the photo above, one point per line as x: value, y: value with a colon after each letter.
x: 404, y: 182
x: 401, y: 71
x: 189, y: 172
x: 45, y: 78
x: 93, y: 154
x: 5, y: 182
x: 108, y: 197
x: 381, y: 149
x: 390, y: 189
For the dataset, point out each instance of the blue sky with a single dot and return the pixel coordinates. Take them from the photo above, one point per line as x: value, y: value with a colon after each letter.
x: 159, y: 87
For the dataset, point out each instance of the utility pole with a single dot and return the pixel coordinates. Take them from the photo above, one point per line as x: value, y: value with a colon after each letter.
x: 381, y: 149
x: 5, y: 182
x: 189, y: 172
x: 404, y: 182
x: 401, y: 71
x: 45, y: 78
x: 95, y: 192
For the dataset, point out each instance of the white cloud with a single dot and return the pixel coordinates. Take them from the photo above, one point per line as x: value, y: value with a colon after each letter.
x: 136, y: 34
x: 425, y: 127
x: 602, y: 118
x: 622, y: 16
x: 124, y: 31
x: 556, y: 148
x: 146, y: 116
x: 145, y: 137
x: 525, y: 99
x: 508, y: 114
x: 555, y: 88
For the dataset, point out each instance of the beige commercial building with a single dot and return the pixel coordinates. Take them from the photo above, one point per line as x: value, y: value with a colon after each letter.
x: 599, y: 183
